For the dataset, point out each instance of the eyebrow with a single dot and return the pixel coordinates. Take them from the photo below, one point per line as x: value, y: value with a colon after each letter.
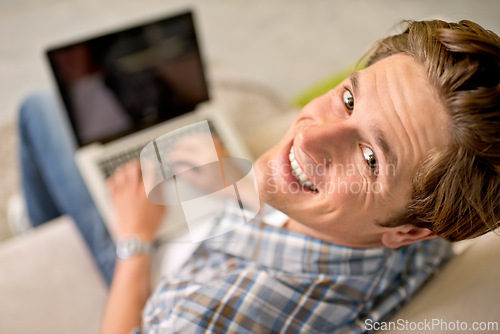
x: 354, y: 78
x: 380, y: 139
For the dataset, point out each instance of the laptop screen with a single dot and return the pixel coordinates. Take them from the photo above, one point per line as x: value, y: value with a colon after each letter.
x: 128, y: 80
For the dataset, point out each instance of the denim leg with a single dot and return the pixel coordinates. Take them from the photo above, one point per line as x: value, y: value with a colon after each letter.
x: 51, y: 180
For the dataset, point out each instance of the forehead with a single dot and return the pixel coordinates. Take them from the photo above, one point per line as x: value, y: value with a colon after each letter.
x: 400, y: 101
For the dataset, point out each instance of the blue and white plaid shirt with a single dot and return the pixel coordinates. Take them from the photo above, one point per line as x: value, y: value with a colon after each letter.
x: 262, y: 279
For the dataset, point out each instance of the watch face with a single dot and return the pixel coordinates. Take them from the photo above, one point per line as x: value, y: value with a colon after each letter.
x: 127, y: 248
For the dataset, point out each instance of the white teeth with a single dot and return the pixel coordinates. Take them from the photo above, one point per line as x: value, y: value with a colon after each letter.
x: 299, y: 173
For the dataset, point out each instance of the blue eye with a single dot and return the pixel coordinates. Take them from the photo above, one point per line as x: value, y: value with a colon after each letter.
x: 370, y: 158
x: 348, y: 100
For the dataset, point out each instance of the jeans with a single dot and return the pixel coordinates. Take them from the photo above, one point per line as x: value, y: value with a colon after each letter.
x: 51, y: 181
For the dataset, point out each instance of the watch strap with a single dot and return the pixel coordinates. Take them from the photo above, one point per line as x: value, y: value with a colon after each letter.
x: 128, y: 247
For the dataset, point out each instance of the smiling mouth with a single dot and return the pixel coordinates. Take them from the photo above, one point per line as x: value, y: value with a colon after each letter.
x: 299, y: 174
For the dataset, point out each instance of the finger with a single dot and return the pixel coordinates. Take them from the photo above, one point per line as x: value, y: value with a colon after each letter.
x: 182, y: 166
x: 192, y: 143
x: 129, y: 175
x: 220, y: 148
x: 112, y: 179
x: 120, y: 177
x: 111, y: 185
x: 178, y: 162
x: 115, y: 182
x: 150, y: 172
x: 202, y: 156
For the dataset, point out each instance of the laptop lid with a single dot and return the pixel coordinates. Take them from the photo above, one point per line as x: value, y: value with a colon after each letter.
x: 125, y: 81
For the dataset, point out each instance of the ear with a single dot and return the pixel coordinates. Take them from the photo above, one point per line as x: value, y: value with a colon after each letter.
x: 399, y: 236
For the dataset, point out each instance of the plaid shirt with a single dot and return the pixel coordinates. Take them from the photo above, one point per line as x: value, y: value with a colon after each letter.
x: 262, y: 279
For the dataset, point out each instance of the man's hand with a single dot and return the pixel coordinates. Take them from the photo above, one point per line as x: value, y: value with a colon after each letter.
x: 193, y: 159
x: 135, y: 214
x: 138, y: 217
x: 195, y: 150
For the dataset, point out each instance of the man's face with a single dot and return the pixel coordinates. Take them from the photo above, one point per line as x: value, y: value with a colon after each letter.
x: 355, y: 151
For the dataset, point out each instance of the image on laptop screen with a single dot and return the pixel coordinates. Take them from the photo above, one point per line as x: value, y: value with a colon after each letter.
x: 125, y: 81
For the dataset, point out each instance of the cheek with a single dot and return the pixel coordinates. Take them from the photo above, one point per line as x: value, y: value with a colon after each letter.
x: 344, y: 189
x: 262, y: 169
x: 266, y: 170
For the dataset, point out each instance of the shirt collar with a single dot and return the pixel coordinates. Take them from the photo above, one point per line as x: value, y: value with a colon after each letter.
x: 288, y: 251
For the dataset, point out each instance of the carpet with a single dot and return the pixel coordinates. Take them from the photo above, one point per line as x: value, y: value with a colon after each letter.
x: 9, y: 171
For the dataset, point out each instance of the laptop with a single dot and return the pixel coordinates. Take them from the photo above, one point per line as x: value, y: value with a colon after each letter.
x: 123, y: 89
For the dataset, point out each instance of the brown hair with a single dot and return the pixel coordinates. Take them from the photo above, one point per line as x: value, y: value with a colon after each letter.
x: 456, y: 191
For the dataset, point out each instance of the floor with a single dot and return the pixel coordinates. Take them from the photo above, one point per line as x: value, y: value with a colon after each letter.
x: 287, y: 44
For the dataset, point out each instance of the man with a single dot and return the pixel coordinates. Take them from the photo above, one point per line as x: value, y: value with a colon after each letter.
x: 372, y: 177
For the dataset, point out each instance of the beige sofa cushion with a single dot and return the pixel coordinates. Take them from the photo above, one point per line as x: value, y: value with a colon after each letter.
x: 49, y: 283
x: 465, y: 290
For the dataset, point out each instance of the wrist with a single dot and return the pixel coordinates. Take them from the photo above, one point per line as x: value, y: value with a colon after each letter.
x: 132, y: 246
x: 138, y: 234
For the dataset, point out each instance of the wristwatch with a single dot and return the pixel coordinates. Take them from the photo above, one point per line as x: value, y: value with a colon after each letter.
x: 126, y: 248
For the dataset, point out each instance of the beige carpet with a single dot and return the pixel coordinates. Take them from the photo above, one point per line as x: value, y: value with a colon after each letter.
x: 9, y: 167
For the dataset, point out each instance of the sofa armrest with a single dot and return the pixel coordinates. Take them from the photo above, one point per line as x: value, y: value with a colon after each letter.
x: 49, y: 282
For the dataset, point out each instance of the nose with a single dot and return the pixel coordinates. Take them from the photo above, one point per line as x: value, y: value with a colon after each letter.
x: 330, y: 134
x: 327, y: 142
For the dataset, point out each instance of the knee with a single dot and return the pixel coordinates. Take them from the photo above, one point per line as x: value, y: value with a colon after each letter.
x: 35, y: 108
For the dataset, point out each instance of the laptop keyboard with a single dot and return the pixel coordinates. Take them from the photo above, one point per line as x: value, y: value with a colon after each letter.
x: 111, y: 163
x: 108, y: 165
